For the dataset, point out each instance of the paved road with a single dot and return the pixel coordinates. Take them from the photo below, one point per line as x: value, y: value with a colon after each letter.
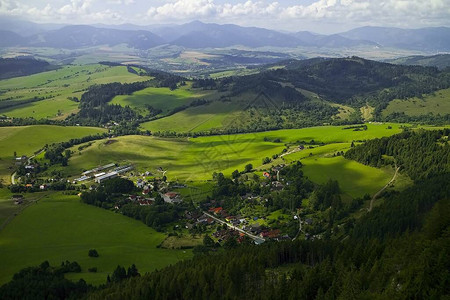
x: 235, y: 228
x: 380, y: 191
x: 13, y: 176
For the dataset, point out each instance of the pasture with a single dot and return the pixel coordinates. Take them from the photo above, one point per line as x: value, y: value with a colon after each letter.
x: 25, y: 140
x: 60, y: 228
x: 160, y: 98
x: 436, y: 103
x: 55, y: 87
x: 197, y: 158
x: 194, y: 119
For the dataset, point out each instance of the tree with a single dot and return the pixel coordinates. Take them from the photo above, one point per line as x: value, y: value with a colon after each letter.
x: 235, y: 174
x: 266, y: 160
x: 93, y: 253
x: 208, y: 241
x: 119, y: 274
x: 248, y: 168
x: 132, y: 271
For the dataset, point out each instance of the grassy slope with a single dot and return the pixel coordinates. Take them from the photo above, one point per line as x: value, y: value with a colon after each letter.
x: 69, y: 81
x: 27, y: 139
x: 198, y: 158
x: 60, y: 228
x: 437, y: 103
x: 161, y: 98
x: 194, y: 119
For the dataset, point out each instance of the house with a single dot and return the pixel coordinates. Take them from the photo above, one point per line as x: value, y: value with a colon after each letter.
x: 277, y: 185
x: 29, y: 185
x: 43, y: 187
x: 301, y: 147
x: 309, y: 221
x: 265, y: 174
x: 216, y: 210
x: 140, y: 183
x: 172, y: 197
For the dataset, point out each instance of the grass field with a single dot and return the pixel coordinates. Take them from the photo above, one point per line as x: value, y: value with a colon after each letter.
x: 354, y: 178
x: 25, y: 140
x: 60, y: 228
x: 161, y: 98
x: 201, y: 118
x: 436, y: 103
x: 56, y: 86
x: 197, y: 158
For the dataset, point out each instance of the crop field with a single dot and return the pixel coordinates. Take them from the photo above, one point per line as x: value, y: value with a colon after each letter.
x: 160, y: 98
x: 201, y: 118
x: 436, y: 103
x: 60, y: 228
x: 55, y: 87
x: 25, y: 140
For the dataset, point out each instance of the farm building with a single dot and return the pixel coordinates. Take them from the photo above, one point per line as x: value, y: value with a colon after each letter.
x: 107, y: 176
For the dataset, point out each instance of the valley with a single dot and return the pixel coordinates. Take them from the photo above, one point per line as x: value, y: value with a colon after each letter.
x: 217, y: 161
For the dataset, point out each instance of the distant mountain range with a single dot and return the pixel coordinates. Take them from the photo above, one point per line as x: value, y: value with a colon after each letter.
x: 202, y: 35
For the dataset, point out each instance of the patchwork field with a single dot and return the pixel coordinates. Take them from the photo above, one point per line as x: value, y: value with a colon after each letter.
x: 60, y: 228
x: 161, y: 98
x: 436, y: 103
x: 55, y: 87
x: 25, y: 140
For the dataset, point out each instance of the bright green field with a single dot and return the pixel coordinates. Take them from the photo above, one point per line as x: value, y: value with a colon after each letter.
x: 57, y: 85
x: 198, y: 158
x: 60, y: 228
x: 25, y: 140
x: 201, y: 118
x: 354, y: 178
x: 160, y: 98
x: 437, y: 103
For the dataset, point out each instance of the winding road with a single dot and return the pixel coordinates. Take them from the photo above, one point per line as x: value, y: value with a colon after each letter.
x: 380, y: 191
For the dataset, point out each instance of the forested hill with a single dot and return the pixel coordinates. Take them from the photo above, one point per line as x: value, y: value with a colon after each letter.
x: 14, y: 67
x: 350, y: 80
x: 401, y: 256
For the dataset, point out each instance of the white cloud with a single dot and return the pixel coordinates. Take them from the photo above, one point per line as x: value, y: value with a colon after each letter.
x: 267, y: 13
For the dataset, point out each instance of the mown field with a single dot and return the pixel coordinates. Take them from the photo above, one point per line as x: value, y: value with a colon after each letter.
x: 60, y: 228
x: 25, y: 140
x: 56, y: 86
x: 161, y: 98
x: 436, y: 103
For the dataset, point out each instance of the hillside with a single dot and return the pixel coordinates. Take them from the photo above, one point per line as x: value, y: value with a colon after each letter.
x: 15, y: 67
x: 440, y: 61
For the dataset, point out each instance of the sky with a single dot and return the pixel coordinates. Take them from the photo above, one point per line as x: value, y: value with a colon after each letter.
x: 322, y: 16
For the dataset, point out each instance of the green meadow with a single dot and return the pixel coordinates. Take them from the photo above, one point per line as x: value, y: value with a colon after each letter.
x: 160, y: 98
x: 197, y: 158
x: 56, y: 86
x: 355, y: 179
x: 194, y: 119
x: 59, y: 228
x: 25, y: 140
x: 436, y: 103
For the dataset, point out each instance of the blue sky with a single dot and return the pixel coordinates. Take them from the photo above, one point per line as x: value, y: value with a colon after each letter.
x: 325, y: 16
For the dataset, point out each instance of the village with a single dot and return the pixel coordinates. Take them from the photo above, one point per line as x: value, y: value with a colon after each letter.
x: 253, y: 220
